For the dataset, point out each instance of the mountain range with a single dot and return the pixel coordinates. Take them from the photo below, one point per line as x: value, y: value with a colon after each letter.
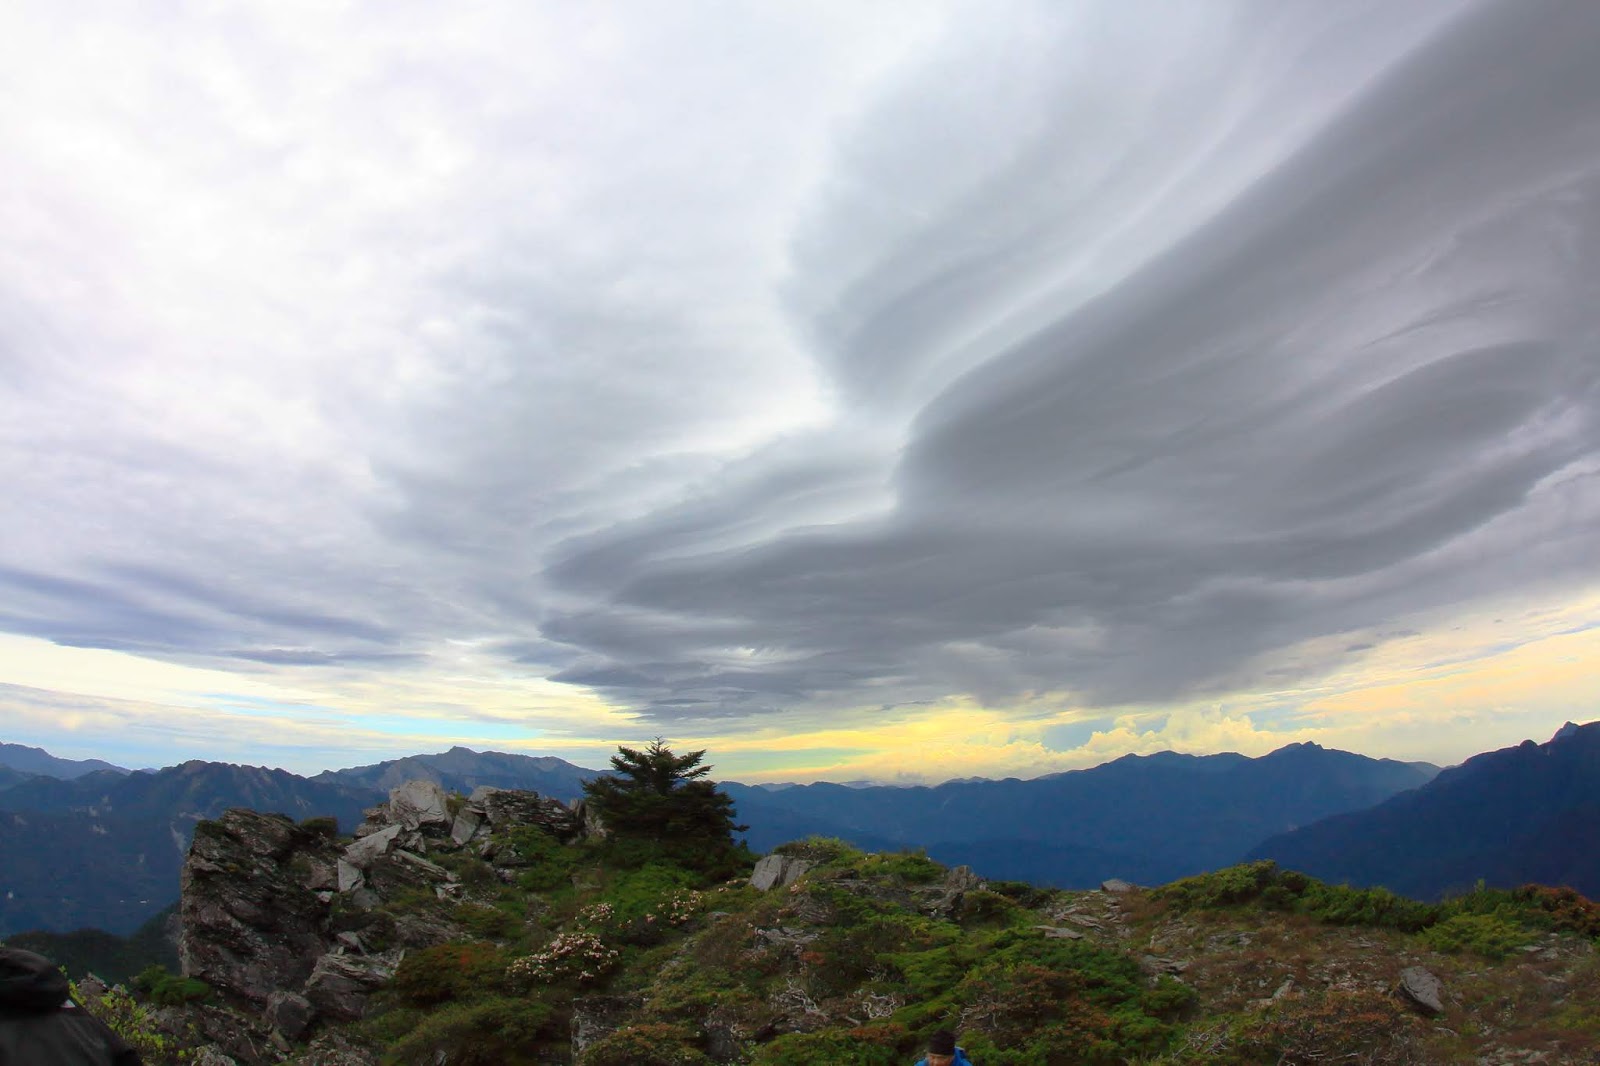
x: 1530, y: 813
x: 1148, y: 818
x: 103, y: 847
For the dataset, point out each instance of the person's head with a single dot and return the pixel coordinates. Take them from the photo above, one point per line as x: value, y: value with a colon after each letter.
x: 941, y: 1048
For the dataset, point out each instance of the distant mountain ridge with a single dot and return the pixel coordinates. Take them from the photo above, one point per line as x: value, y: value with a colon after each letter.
x: 104, y: 849
x: 38, y: 761
x: 1150, y: 818
x: 1529, y: 813
x: 462, y: 770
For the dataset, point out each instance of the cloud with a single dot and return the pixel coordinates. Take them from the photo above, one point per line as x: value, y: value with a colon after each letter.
x: 716, y: 368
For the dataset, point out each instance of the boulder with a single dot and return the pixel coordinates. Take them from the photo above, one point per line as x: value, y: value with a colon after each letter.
x: 1422, y: 990
x: 507, y: 807
x: 350, y: 877
x: 1117, y: 886
x: 335, y: 1049
x: 364, y: 852
x: 341, y: 984
x: 250, y: 926
x: 777, y: 871
x: 466, y: 825
x: 597, y: 1017
x: 1057, y: 932
x: 290, y: 1013
x: 952, y: 890
x: 418, y: 803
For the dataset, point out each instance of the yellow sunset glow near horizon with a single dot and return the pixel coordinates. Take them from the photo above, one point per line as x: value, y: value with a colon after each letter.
x: 1438, y: 696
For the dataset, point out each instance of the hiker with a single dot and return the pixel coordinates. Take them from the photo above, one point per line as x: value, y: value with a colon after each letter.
x: 942, y: 1051
x: 40, y: 1025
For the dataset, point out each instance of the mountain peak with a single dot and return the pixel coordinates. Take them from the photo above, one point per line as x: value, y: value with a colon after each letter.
x: 1571, y: 729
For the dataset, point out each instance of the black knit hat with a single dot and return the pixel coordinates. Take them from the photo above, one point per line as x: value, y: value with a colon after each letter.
x: 942, y: 1042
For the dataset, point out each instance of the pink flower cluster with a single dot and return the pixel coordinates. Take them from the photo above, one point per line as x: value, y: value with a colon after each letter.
x: 581, y: 955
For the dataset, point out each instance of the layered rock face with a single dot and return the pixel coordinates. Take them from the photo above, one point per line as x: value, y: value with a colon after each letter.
x: 284, y: 921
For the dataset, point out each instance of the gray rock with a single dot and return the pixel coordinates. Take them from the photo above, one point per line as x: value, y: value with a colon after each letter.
x: 1118, y: 887
x: 589, y: 820
x: 350, y: 877
x: 507, y: 807
x: 1056, y: 932
x: 466, y: 826
x: 335, y: 1049
x: 1421, y: 990
x: 777, y: 871
x: 340, y: 985
x: 290, y: 1013
x: 418, y: 803
x: 422, y: 868
x: 597, y: 1017
x: 364, y: 852
x: 1154, y: 964
x: 210, y: 1056
x: 951, y: 891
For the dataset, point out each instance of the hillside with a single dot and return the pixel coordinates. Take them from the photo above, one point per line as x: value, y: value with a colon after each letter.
x: 1525, y: 813
x: 104, y: 849
x: 480, y: 937
x: 1143, y: 818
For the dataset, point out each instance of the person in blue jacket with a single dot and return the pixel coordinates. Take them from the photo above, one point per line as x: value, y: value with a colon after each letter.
x: 942, y: 1051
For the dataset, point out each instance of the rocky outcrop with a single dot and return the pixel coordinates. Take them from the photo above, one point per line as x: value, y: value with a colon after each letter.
x: 958, y: 881
x: 285, y: 922
x: 506, y: 807
x: 252, y: 923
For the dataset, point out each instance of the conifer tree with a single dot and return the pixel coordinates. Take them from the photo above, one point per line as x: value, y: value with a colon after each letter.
x: 663, y: 798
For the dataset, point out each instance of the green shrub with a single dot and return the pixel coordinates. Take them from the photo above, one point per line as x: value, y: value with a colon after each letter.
x: 1489, y: 935
x: 829, y: 1048
x: 498, y: 1031
x: 166, y: 989
x: 322, y: 825
x: 983, y: 907
x: 134, y: 1022
x: 825, y: 851
x: 449, y: 971
x: 1567, y: 910
x: 489, y: 922
x: 549, y: 862
x: 645, y: 1045
x: 911, y: 866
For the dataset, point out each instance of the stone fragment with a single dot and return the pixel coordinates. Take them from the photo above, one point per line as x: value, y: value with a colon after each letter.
x: 290, y: 1013
x: 368, y: 849
x: 418, y: 803
x: 350, y: 877
x: 1056, y: 932
x: 1422, y: 990
x: 340, y: 985
x: 466, y: 825
x: 777, y: 871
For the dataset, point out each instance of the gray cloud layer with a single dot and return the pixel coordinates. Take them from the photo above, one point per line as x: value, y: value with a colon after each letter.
x: 1107, y: 349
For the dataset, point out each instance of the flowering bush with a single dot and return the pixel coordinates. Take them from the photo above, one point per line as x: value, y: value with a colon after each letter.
x: 581, y: 956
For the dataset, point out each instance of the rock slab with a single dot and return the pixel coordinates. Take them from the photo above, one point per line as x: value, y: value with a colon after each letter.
x: 777, y: 871
x: 1422, y: 990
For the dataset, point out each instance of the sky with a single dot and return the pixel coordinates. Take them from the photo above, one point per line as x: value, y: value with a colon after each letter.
x: 894, y: 391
